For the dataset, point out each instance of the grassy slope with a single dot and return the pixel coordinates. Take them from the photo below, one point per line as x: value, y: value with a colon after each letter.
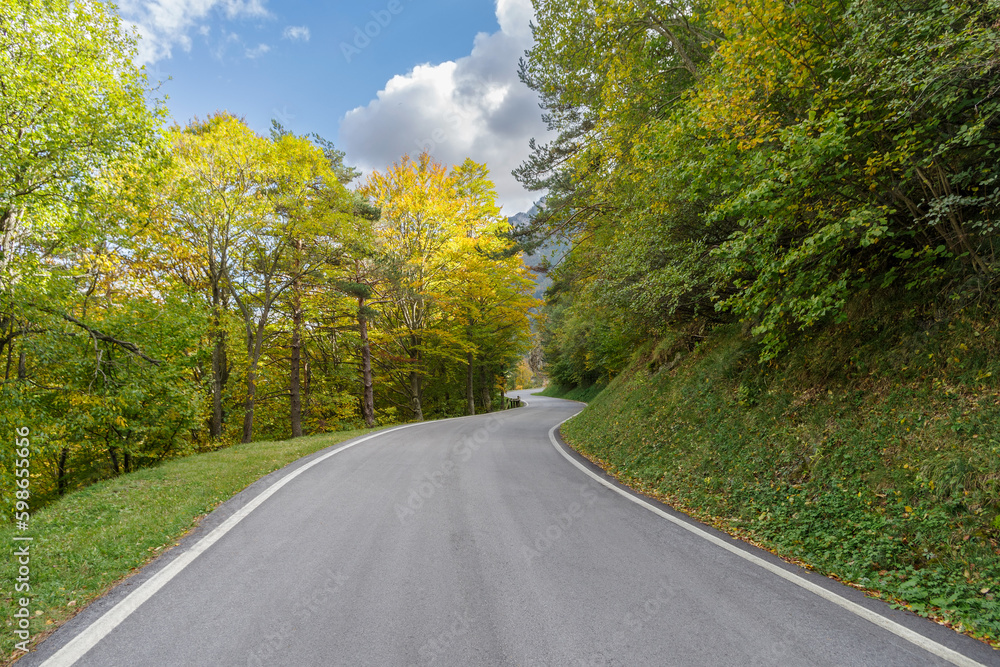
x: 583, y: 394
x: 91, y: 539
x: 871, y: 454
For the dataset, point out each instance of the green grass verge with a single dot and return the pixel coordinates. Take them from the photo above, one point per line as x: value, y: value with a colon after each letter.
x: 88, y: 541
x: 582, y: 394
x: 871, y: 454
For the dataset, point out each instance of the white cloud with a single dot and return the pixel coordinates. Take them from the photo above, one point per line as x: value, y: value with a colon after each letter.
x: 515, y: 18
x: 257, y: 51
x: 165, y: 24
x: 473, y: 107
x: 224, y: 42
x: 296, y: 33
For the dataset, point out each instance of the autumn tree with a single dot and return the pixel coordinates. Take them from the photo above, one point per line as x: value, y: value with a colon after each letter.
x: 451, y: 300
x: 352, y: 236
x: 487, y: 289
x: 73, y: 106
x: 260, y: 213
x: 417, y: 221
x: 361, y: 279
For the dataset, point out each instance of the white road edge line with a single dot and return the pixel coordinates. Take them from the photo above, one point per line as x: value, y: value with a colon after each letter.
x: 929, y: 645
x: 99, y: 629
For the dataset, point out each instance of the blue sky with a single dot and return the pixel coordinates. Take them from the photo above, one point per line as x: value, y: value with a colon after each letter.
x: 378, y: 77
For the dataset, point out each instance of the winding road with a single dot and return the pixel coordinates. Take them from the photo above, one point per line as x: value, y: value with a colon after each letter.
x: 479, y: 541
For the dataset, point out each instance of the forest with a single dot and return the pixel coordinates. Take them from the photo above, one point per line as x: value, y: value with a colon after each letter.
x: 166, y: 290
x: 765, y: 162
x: 767, y: 230
x: 773, y: 230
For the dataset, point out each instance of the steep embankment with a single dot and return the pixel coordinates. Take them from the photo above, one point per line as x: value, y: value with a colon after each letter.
x: 871, y: 454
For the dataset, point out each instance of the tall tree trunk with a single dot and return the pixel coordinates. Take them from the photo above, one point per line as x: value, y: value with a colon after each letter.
x: 248, y: 405
x: 22, y: 366
x: 486, y: 388
x: 415, y: 391
x: 306, y: 384
x: 470, y: 401
x: 8, y: 236
x: 218, y: 364
x: 10, y: 350
x: 295, y: 388
x: 61, y: 481
x: 416, y: 381
x: 9, y: 230
x: 255, y: 344
x: 295, y: 383
x: 114, y: 460
x: 368, y: 400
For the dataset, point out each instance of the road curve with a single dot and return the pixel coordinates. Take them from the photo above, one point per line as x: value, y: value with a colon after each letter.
x: 474, y: 541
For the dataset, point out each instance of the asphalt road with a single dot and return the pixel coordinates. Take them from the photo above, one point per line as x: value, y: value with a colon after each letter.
x: 476, y: 541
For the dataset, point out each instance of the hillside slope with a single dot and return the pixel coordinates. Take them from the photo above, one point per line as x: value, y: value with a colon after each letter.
x: 872, y: 454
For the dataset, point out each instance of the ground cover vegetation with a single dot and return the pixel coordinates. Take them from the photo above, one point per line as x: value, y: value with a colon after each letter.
x: 783, y: 223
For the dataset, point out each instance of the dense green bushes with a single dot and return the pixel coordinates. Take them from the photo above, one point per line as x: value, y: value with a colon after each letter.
x: 873, y: 454
x: 760, y: 161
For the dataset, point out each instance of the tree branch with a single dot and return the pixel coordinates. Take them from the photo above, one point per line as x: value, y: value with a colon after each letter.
x: 97, y: 335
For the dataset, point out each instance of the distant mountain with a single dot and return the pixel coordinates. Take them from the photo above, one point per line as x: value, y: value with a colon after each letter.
x: 551, y: 251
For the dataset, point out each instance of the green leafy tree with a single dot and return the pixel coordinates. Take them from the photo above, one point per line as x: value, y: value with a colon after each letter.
x: 258, y: 214
x: 73, y: 106
x: 764, y: 160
